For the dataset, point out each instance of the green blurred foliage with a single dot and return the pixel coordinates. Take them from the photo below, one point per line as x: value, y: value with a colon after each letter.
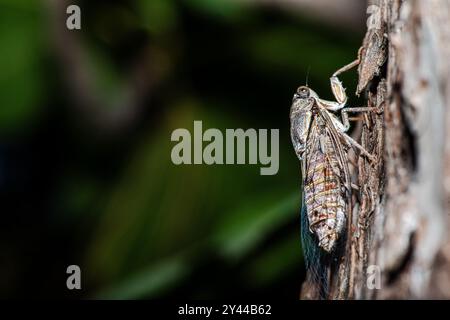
x: 140, y: 226
x: 229, y: 11
x: 21, y: 81
x: 159, y: 17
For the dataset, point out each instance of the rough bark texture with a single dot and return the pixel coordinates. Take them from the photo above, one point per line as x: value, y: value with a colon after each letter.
x: 401, y: 221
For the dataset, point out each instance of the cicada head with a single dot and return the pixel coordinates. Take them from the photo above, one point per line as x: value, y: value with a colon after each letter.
x: 301, y: 117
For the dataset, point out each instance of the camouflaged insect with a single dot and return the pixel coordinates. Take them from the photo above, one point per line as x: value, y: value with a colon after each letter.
x: 321, y: 144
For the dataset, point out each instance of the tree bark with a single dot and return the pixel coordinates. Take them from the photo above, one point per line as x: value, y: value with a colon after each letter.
x: 400, y: 221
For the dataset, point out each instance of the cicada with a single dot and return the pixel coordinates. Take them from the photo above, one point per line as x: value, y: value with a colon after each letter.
x: 321, y: 143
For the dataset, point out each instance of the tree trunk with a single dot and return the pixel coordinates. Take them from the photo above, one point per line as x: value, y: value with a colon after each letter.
x: 398, y: 245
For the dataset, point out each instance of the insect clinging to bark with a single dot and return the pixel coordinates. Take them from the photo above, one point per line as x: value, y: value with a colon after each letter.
x: 321, y: 143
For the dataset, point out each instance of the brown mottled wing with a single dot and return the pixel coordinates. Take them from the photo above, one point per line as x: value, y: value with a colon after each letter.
x: 325, y: 199
x: 325, y: 183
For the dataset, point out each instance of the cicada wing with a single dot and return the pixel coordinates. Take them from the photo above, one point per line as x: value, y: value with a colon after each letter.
x: 325, y: 150
x: 316, y: 268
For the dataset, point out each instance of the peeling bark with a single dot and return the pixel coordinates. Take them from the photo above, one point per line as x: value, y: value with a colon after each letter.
x: 401, y: 218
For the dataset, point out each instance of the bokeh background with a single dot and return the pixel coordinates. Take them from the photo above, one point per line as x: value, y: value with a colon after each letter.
x: 85, y: 124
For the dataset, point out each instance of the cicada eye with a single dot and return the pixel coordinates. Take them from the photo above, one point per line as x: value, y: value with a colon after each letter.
x: 303, y: 92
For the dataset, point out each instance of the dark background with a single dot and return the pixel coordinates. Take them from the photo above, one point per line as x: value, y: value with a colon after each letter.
x: 85, y: 122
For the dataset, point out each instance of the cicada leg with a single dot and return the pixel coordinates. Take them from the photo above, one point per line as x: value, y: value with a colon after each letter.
x: 338, y: 89
x: 341, y: 99
x: 346, y: 111
x: 350, y: 141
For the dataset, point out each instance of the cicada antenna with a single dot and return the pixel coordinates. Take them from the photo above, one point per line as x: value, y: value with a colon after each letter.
x: 307, y: 75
